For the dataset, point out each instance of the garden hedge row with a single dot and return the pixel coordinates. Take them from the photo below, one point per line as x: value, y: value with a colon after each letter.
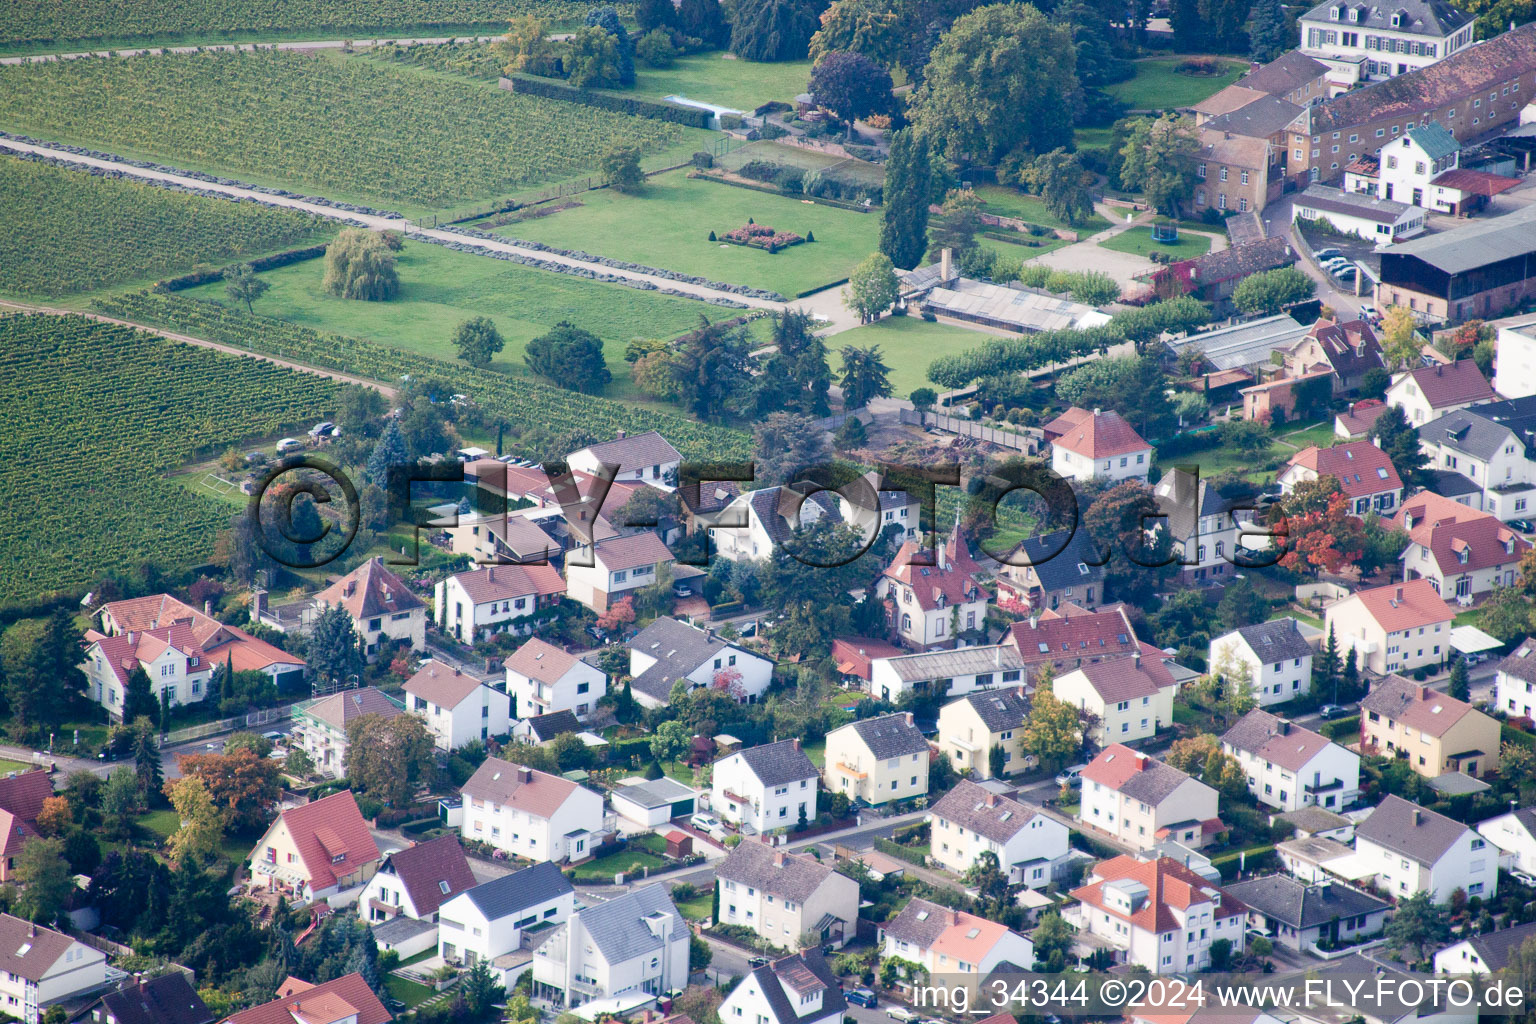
x: 605, y: 101
x: 275, y: 260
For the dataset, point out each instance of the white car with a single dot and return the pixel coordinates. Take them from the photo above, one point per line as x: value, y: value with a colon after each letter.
x: 708, y: 824
x: 1334, y: 263
x: 289, y: 444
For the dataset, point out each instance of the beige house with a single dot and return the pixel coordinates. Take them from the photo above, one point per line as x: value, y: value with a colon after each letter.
x: 598, y: 575
x: 791, y: 900
x: 1141, y: 801
x: 1396, y: 628
x: 878, y: 760
x: 316, y: 850
x: 381, y: 605
x: 1434, y: 732
x: 972, y: 726
x: 1131, y: 698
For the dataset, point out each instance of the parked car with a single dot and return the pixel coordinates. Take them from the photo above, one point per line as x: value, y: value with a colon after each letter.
x: 1328, y: 711
x: 708, y: 824
x: 322, y: 429
x: 1072, y: 776
x: 902, y: 1014
x: 1524, y: 879
x: 1334, y: 264
x: 1368, y: 311
x: 863, y: 997
x: 1347, y: 270
x: 682, y: 588
x: 1327, y: 254
x: 289, y: 444
x: 1523, y: 525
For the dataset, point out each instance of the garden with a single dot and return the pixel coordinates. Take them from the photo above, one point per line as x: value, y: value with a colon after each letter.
x: 354, y: 129
x: 64, y: 231
x: 907, y: 344
x: 77, y: 455
x: 1003, y: 201
x: 669, y: 221
x: 1166, y: 83
x: 1138, y: 241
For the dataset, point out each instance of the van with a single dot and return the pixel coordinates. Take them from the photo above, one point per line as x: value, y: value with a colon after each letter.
x: 863, y: 997
x: 1072, y: 776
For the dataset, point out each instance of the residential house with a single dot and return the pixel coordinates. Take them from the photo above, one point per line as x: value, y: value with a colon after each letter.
x: 1423, y: 168
x: 878, y: 510
x: 1205, y: 525
x: 1300, y: 917
x: 344, y: 1000
x: 799, y: 989
x: 1514, y: 683
x: 170, y: 656
x: 1493, y: 446
x: 44, y: 968
x: 1478, y: 270
x: 1358, y: 422
x: 1395, y: 628
x: 768, y: 518
x: 1100, y: 443
x: 501, y: 538
x: 1434, y: 732
x: 878, y: 760
x: 1487, y: 953
x: 1277, y: 657
x: 1275, y: 400
x: 1376, y: 41
x: 973, y: 726
x: 542, y: 678
x: 1409, y: 849
x: 222, y: 644
x: 21, y: 800
x: 541, y: 730
x: 1366, y: 216
x: 959, y: 947
x: 632, y: 947
x: 1464, y: 553
x: 402, y: 899
x: 1157, y: 914
x: 167, y: 999
x: 945, y: 674
x: 1366, y: 476
x: 500, y: 921
x: 855, y: 657
x: 1214, y: 276
x: 791, y: 900
x: 1141, y: 801
x: 1238, y: 165
x: 971, y: 820
x: 1514, y: 364
x: 1129, y: 699
x: 599, y: 574
x: 316, y: 850
x: 1349, y: 349
x: 1072, y: 638
x: 1515, y: 836
x: 1059, y: 568
x: 935, y: 597
x: 320, y: 725
x: 646, y: 458
x: 531, y: 813
x: 381, y: 605
x: 1429, y: 392
x: 765, y: 787
x: 495, y: 599
x: 457, y: 707
x: 668, y: 652
x: 1289, y: 767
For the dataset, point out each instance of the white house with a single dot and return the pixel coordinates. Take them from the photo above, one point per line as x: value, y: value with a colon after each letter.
x: 222, y: 644
x: 599, y: 574
x: 1277, y: 656
x: 315, y: 850
x: 1289, y: 767
x: 668, y: 651
x: 1100, y: 443
x: 1157, y: 914
x: 1141, y: 801
x: 402, y: 899
x: 799, y: 989
x: 531, y: 813
x: 1358, y: 213
x: 382, y: 607
x: 1514, y: 369
x: 45, y: 967
x: 170, y: 656
x: 935, y: 596
x: 646, y: 458
x: 1366, y: 42
x: 630, y: 948
x: 1485, y: 953
x: 765, y: 787
x: 952, y: 943
x: 1515, y: 836
x: 1366, y: 476
x: 1206, y: 527
x: 946, y: 673
x: 768, y: 518
x: 488, y: 922
x: 878, y: 760
x: 875, y: 512
x: 457, y: 707
x: 1425, y: 393
x: 542, y: 678
x: 1491, y: 445
x: 971, y: 819
x: 1408, y: 849
x: 1131, y: 698
x: 791, y: 900
x: 495, y: 599
x: 1300, y: 916
x: 1514, y: 684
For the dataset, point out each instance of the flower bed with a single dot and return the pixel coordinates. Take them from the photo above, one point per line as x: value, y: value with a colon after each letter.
x: 761, y: 236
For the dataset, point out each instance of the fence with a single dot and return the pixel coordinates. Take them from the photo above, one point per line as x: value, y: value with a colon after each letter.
x: 966, y: 428
x: 266, y: 716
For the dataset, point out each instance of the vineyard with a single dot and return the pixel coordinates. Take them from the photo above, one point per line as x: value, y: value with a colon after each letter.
x: 81, y: 454
x: 551, y: 411
x: 57, y: 22
x: 366, y: 128
x: 64, y: 231
x: 475, y: 60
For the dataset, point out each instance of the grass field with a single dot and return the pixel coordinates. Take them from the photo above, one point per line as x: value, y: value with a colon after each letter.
x: 1010, y: 202
x: 724, y: 80
x: 1159, y: 86
x: 62, y: 232
x: 1138, y: 240
x: 7, y: 766
x: 408, y: 992
x: 808, y: 159
x: 1092, y: 138
x: 348, y: 127
x: 668, y: 225
x: 441, y: 288
x: 907, y: 344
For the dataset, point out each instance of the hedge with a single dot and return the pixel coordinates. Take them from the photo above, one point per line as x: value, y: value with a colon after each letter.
x: 625, y: 751
x: 1257, y: 860
x: 774, y: 190
x: 606, y: 101
x: 906, y: 853
x: 277, y: 259
x: 1517, y: 736
x: 1340, y: 727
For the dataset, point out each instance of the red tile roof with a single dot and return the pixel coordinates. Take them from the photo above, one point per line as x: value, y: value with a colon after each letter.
x: 318, y: 1004
x: 1399, y: 606
x: 1362, y: 416
x: 854, y: 654
x: 1460, y: 383
x: 541, y: 660
x: 952, y: 576
x: 370, y: 590
x: 1171, y: 887
x: 443, y: 686
x: 1098, y: 434
x: 1479, y: 183
x: 1101, y: 634
x: 424, y: 867
x: 325, y: 829
x: 510, y: 582
x: 1453, y: 531
x: 1361, y: 468
x: 21, y: 798
x: 220, y: 642
x: 526, y: 789
x: 127, y: 651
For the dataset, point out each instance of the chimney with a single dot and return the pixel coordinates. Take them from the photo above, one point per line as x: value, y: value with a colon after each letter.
x: 1399, y: 595
x: 1034, y: 620
x: 1285, y: 727
x: 946, y: 265
x: 991, y: 799
x: 954, y: 918
x: 621, y: 434
x: 1418, y: 817
x: 778, y: 858
x: 32, y: 930
x: 909, y: 718
x: 524, y: 774
x: 1096, y: 411
x: 796, y: 742
x: 1423, y: 693
x: 1141, y: 762
x: 208, y: 606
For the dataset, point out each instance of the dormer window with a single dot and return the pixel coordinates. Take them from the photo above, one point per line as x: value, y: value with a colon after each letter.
x: 1354, y: 14
x: 1397, y: 20
x: 1333, y: 12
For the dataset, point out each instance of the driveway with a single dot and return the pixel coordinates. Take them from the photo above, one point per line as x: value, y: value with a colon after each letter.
x: 1277, y: 223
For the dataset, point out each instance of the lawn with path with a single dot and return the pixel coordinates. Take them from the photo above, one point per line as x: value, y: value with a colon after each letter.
x: 667, y: 224
x: 1159, y: 85
x: 720, y: 78
x: 1138, y: 241
x: 641, y: 851
x: 907, y: 344
x: 441, y: 288
x: 1010, y: 202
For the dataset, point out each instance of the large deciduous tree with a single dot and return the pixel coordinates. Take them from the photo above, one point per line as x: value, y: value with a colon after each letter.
x: 607, y: 19
x: 999, y: 81
x: 620, y: 166
x: 870, y: 27
x: 1051, y: 729
x: 773, y: 29
x: 1158, y: 159
x: 872, y: 287
x: 359, y: 264
x: 202, y: 821
x: 594, y: 59
x: 908, y: 193
x: 477, y: 341
x: 243, y: 786
x: 570, y: 357
x: 1270, y: 291
x: 242, y: 285
x: 1061, y: 181
x: 390, y: 758
x: 851, y: 85
x: 45, y: 878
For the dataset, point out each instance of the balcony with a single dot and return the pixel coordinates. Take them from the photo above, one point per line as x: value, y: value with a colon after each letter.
x: 586, y: 986
x: 852, y: 770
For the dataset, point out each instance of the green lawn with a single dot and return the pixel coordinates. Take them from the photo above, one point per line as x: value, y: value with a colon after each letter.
x: 408, y: 992
x: 1138, y: 241
x: 806, y: 159
x: 1017, y: 249
x: 162, y: 822
x: 907, y: 344
x: 722, y: 79
x: 642, y: 851
x: 698, y: 908
x: 440, y: 288
x: 1092, y: 138
x: 668, y: 225
x: 1319, y: 434
x: 7, y: 766
x: 1010, y: 202
x: 1158, y: 86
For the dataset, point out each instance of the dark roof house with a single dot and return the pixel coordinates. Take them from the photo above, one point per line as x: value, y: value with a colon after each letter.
x: 168, y: 999
x: 1297, y: 905
x: 778, y: 764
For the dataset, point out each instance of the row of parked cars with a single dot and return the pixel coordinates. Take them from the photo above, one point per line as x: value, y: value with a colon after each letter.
x: 1340, y: 267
